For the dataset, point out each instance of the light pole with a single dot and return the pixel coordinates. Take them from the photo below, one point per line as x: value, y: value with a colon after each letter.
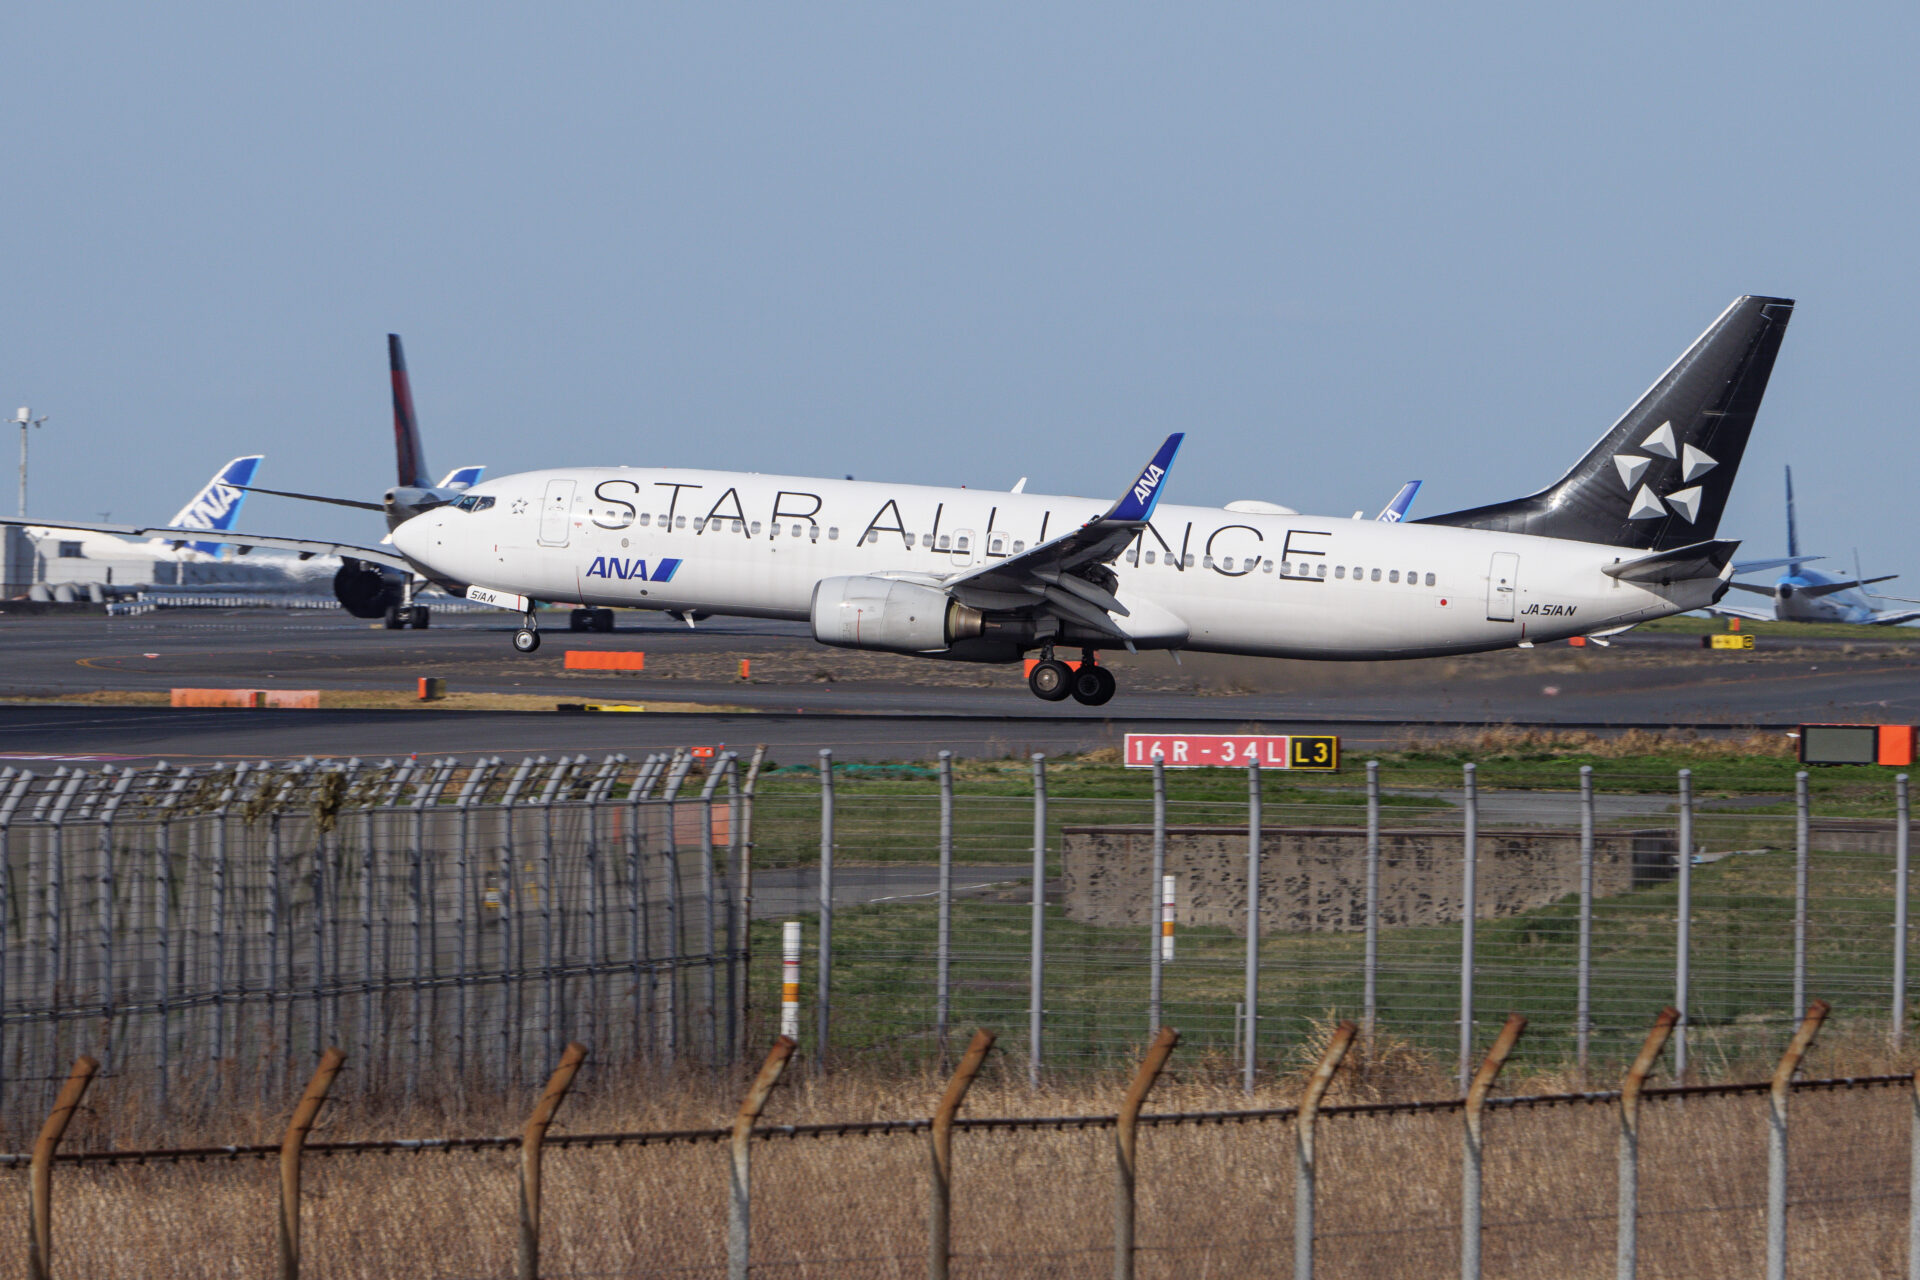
x: 26, y: 419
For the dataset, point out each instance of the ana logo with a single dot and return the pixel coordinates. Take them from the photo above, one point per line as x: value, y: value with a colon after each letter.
x: 210, y: 507
x: 1149, y: 480
x: 632, y: 570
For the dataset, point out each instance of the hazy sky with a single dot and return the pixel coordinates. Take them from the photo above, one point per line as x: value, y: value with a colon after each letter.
x: 1340, y: 246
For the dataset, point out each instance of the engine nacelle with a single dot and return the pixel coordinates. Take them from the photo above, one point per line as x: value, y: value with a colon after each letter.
x: 882, y: 613
x: 367, y: 590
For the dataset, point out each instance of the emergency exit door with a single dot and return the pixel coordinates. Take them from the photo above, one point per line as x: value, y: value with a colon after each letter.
x: 1503, y: 576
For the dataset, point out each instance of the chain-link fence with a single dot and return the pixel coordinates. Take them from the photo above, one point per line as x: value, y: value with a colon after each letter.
x: 202, y: 929
x: 1583, y: 910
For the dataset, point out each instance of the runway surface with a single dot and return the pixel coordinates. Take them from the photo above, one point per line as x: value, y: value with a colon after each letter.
x: 865, y: 706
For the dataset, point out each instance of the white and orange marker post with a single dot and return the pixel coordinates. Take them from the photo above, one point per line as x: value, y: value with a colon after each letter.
x: 1166, y: 918
x: 790, y: 980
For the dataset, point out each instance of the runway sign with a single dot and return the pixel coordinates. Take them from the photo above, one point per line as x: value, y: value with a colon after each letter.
x: 1317, y: 752
x: 1721, y: 640
x: 1887, y: 744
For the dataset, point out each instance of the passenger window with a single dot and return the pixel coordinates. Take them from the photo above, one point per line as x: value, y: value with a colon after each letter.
x: 960, y: 544
x: 796, y: 531
x: 996, y: 547
x: 756, y: 528
x: 1429, y: 579
x: 1320, y: 571
x: 738, y: 527
x: 813, y: 533
x: 1133, y: 557
x: 1286, y: 568
x: 699, y: 524
x: 943, y: 542
x: 1376, y: 576
x: 1150, y: 559
x: 1339, y: 571
x: 1393, y: 575
x: 1018, y: 546
x: 1266, y: 566
x: 1207, y: 561
x: 679, y: 522
x: 926, y: 540
x: 833, y: 533
x: 1413, y: 579
x: 646, y: 518
x: 1189, y: 562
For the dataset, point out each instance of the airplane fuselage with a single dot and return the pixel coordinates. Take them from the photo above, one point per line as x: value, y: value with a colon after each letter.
x: 1196, y: 578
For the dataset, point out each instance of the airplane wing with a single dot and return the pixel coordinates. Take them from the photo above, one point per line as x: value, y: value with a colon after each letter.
x: 1748, y: 586
x: 1067, y: 576
x: 1734, y: 611
x: 306, y: 547
x: 1828, y: 588
x: 1764, y: 566
x: 1893, y: 617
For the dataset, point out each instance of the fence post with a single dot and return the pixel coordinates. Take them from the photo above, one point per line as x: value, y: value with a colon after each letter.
x: 1156, y: 874
x: 530, y: 1142
x: 1126, y: 1127
x: 1303, y: 1167
x: 1901, y: 830
x: 1913, y: 1184
x: 790, y: 979
x: 1037, y: 957
x: 1251, y: 1024
x: 40, y: 1172
x: 1369, y: 1002
x: 291, y: 1144
x: 739, y: 1169
x: 1469, y: 855
x: 1627, y: 1238
x: 1583, y: 1011
x: 943, y: 944
x: 1800, y: 806
x: 940, y: 1143
x: 1471, y: 1147
x: 1777, y: 1133
x: 1683, y: 926
x: 709, y: 901
x: 823, y: 1003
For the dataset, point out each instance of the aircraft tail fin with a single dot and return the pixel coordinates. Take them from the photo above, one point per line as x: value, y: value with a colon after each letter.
x: 217, y: 504
x: 461, y: 478
x: 1396, y: 511
x: 1659, y: 479
x: 406, y: 427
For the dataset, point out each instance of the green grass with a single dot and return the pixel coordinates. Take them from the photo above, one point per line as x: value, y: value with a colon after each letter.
x: 1096, y: 991
x: 1692, y: 625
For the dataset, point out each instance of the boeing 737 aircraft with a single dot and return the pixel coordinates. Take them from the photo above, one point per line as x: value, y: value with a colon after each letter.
x: 975, y: 575
x: 1808, y: 595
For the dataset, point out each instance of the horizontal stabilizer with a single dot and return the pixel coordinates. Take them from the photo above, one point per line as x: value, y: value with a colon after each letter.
x: 1829, y: 588
x: 1767, y: 566
x: 1734, y: 611
x: 1681, y: 564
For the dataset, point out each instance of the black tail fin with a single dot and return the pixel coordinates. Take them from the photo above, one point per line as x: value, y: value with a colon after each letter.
x: 1661, y: 477
x: 406, y: 428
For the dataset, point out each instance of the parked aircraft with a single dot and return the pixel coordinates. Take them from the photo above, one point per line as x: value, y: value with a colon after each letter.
x: 1627, y: 535
x: 214, y: 507
x: 1807, y: 595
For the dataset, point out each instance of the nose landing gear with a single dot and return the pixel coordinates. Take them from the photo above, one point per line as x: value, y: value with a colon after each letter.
x: 1053, y: 680
x: 527, y: 638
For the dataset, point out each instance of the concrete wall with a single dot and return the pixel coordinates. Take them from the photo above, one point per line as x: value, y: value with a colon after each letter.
x: 1313, y: 879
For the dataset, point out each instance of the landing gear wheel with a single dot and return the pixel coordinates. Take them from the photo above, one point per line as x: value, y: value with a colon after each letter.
x: 526, y: 640
x: 1093, y: 686
x: 1050, y: 679
x: 422, y: 617
x: 602, y: 620
x: 580, y: 619
x: 396, y: 619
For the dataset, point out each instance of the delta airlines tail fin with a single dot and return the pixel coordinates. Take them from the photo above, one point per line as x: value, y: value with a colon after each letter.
x: 1660, y: 478
x: 406, y: 427
x: 217, y: 504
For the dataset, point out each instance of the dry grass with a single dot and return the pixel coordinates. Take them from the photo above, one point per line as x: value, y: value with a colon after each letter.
x: 1214, y: 1200
x: 1631, y: 744
x: 386, y: 700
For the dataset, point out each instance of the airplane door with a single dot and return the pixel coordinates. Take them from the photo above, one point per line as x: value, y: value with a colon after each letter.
x: 556, y: 513
x: 1503, y: 576
x: 963, y: 547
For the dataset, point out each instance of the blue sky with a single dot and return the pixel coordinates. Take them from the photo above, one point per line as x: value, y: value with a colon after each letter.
x: 1340, y: 248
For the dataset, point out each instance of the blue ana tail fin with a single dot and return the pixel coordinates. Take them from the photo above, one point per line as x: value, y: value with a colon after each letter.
x: 1396, y: 511
x: 217, y: 504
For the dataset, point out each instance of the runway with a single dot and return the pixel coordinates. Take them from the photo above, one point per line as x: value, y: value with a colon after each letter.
x: 802, y: 696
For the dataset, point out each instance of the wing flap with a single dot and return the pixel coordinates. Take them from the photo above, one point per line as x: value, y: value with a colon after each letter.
x: 306, y: 546
x: 1680, y: 564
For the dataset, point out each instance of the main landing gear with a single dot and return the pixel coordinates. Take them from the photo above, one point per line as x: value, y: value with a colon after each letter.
x: 527, y: 638
x: 407, y: 613
x: 1053, y: 680
x: 590, y: 620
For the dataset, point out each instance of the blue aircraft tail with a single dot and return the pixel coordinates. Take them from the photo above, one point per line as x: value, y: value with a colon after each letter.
x: 217, y: 504
x: 1396, y: 511
x: 461, y: 478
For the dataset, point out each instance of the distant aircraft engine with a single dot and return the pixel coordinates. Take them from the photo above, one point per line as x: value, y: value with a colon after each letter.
x: 367, y: 590
x: 882, y: 613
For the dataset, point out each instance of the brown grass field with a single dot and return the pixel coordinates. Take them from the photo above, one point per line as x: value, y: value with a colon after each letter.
x: 1214, y: 1199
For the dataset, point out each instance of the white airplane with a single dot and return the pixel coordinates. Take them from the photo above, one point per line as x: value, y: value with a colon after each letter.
x: 976, y: 575
x: 214, y: 508
x: 1808, y: 595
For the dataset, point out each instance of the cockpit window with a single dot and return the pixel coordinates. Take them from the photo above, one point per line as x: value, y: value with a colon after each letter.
x: 473, y: 502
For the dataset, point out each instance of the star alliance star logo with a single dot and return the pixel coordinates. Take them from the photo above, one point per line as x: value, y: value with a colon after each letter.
x: 519, y: 506
x: 1646, y: 505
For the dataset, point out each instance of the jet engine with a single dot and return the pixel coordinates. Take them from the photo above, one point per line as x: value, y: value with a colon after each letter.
x: 883, y: 613
x: 367, y: 590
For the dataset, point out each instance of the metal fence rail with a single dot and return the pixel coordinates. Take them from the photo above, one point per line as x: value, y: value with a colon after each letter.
x: 1714, y: 1188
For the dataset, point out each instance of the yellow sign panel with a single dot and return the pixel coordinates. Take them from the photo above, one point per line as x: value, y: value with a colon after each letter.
x: 1321, y: 752
x: 1723, y: 640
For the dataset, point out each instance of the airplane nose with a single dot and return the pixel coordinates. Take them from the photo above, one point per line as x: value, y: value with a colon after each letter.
x: 410, y: 537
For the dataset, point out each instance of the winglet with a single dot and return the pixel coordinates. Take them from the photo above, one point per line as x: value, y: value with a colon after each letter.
x: 1137, y: 503
x: 1396, y: 511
